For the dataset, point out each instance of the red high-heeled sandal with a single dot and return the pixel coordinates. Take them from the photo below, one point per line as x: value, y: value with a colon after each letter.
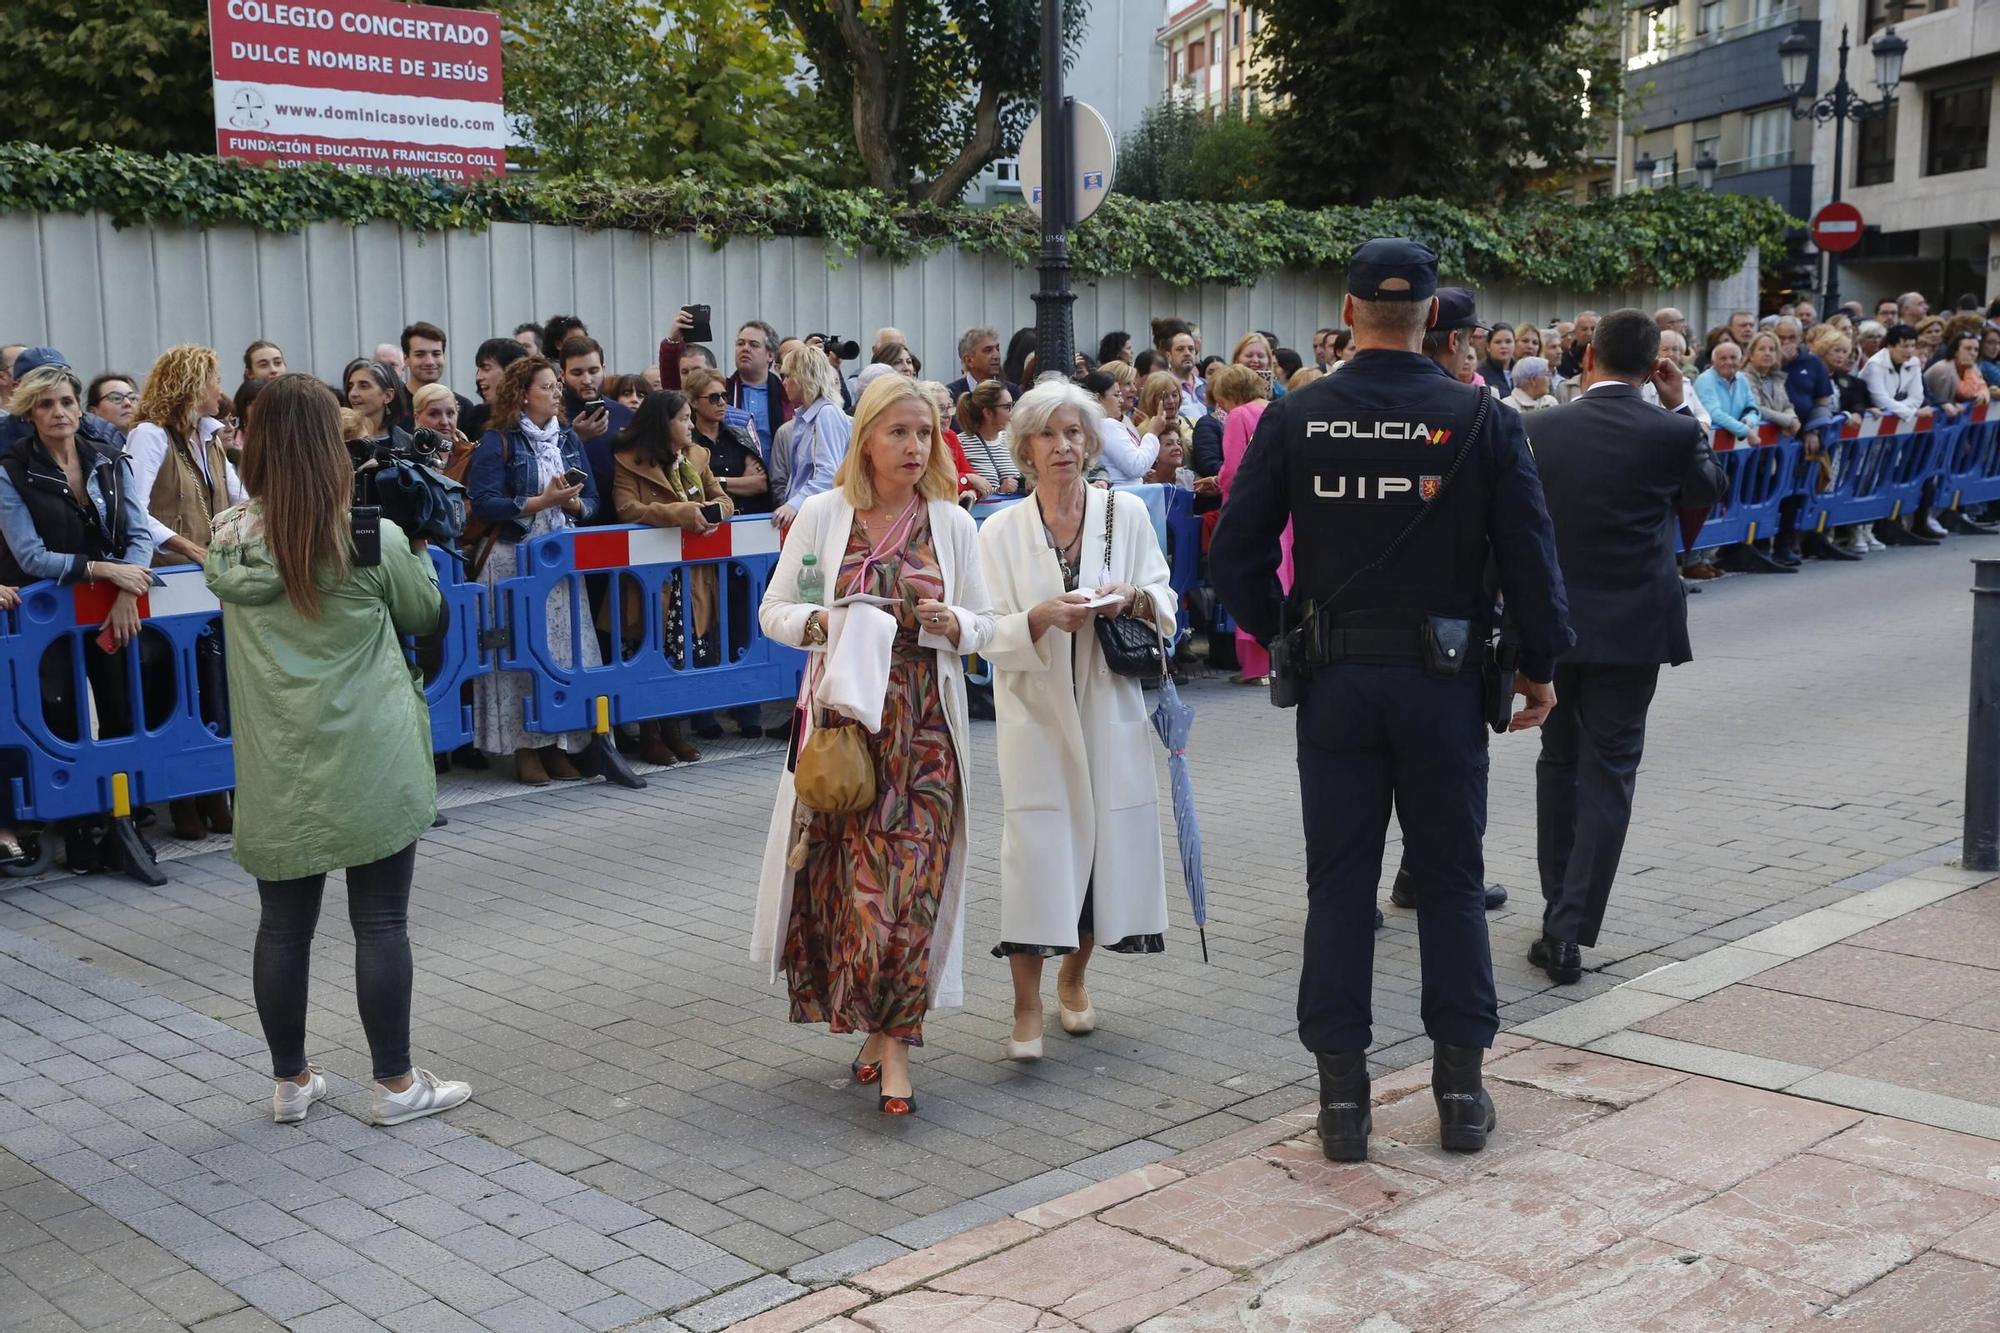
x: 865, y: 1074
x: 892, y: 1105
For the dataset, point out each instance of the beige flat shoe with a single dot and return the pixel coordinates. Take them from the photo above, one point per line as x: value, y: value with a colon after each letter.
x: 1024, y: 1052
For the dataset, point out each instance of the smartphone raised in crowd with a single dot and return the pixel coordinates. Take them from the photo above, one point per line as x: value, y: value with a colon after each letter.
x: 712, y: 512
x: 699, y: 331
x: 575, y: 476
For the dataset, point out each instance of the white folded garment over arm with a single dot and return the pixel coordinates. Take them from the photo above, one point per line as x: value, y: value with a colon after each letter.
x: 859, y: 641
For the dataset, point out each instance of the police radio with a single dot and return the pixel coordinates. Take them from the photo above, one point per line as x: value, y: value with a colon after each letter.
x: 1291, y: 664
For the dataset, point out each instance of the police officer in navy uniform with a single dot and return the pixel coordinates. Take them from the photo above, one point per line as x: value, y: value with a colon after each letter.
x: 1401, y: 486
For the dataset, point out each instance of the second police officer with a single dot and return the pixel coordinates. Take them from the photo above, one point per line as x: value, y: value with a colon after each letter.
x: 1401, y: 486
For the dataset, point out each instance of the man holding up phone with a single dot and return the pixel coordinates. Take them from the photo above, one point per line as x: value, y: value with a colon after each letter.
x: 593, y: 417
x: 753, y: 389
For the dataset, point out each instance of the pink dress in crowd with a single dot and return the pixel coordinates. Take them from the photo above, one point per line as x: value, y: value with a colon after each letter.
x: 1237, y: 429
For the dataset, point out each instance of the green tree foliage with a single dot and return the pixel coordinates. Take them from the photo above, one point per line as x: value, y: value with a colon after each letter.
x: 571, y: 84
x: 1177, y: 153
x: 933, y: 89
x: 654, y: 89
x: 1658, y: 238
x: 1235, y: 161
x: 1156, y: 161
x: 1379, y: 99
x: 127, y: 72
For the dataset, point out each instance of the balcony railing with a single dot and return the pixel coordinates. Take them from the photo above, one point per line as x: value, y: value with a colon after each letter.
x: 1688, y: 43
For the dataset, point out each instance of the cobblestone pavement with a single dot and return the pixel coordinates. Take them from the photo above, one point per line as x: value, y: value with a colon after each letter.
x: 643, y: 1108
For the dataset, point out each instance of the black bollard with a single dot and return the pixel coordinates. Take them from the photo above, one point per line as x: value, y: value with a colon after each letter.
x: 1982, y: 723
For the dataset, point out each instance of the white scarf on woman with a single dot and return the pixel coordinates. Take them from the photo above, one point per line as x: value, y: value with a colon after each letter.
x: 546, y: 441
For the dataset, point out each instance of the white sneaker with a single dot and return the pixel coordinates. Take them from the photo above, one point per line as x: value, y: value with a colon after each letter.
x: 1872, y: 542
x: 1934, y: 528
x: 289, y: 1100
x: 427, y: 1095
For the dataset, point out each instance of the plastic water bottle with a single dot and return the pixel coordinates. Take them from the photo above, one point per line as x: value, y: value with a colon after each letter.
x: 812, y: 584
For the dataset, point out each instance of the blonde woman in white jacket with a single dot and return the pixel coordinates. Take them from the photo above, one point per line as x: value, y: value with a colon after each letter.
x: 864, y: 913
x: 1081, y: 864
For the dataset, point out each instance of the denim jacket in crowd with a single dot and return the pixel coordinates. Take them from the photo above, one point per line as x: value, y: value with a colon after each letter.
x: 503, y: 478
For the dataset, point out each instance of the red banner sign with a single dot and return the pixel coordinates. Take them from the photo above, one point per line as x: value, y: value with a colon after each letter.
x: 368, y: 84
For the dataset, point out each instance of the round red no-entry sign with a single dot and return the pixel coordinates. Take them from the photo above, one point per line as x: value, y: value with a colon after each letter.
x: 1837, y: 227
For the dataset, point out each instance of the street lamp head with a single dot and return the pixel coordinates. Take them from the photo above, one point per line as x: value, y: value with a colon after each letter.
x: 1704, y: 169
x: 1642, y: 170
x: 1794, y: 54
x: 1889, y: 50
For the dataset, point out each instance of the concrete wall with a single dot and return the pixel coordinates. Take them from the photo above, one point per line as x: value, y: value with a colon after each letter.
x: 115, y: 298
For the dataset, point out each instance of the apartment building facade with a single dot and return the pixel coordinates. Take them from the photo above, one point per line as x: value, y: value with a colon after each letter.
x: 1208, y: 57
x: 1703, y: 90
x: 1924, y: 176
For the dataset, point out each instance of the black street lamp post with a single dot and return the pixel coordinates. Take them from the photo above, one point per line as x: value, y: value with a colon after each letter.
x: 1055, y: 333
x: 1840, y: 105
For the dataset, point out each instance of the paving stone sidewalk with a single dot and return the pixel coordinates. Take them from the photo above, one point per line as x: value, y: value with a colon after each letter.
x: 580, y: 960
x: 1887, y: 1001
x: 1615, y: 1195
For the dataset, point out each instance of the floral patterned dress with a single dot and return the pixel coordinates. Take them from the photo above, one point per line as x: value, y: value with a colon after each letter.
x: 857, y: 948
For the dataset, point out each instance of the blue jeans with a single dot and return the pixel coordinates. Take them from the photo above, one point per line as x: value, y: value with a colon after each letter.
x: 378, y: 907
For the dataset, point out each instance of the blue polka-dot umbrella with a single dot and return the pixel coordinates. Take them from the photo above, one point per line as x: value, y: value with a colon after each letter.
x: 1173, y: 718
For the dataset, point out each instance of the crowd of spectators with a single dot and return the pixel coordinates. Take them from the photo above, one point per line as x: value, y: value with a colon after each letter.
x: 101, y: 477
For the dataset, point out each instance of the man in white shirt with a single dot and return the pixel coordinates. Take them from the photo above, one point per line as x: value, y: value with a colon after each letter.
x: 1895, y: 380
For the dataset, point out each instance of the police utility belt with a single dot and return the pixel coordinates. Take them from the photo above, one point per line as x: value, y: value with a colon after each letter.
x: 1441, y: 645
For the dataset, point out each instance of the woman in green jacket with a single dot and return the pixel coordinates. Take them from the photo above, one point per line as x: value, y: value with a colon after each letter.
x: 332, y: 738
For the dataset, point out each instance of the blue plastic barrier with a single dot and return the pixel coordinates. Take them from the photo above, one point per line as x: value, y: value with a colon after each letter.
x: 641, y: 681
x: 178, y: 755
x: 459, y: 656
x: 1973, y: 473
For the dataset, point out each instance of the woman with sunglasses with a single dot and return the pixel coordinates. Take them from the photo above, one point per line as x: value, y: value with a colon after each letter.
x: 732, y: 450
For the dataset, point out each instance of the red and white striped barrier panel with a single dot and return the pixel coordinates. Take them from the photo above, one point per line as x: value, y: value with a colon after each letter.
x: 615, y: 548
x: 180, y: 592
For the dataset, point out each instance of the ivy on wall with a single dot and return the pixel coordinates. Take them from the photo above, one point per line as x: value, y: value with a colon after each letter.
x: 1667, y: 238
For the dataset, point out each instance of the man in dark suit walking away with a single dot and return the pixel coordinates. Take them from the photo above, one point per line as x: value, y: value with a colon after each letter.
x: 1617, y: 471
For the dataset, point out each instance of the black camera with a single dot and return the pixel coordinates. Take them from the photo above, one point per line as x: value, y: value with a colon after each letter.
x: 399, y: 480
x: 837, y: 347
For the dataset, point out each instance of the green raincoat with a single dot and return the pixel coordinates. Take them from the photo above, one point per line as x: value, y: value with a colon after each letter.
x: 332, y: 737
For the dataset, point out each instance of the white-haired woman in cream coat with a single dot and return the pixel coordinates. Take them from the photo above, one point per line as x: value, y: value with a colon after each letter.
x: 1081, y: 865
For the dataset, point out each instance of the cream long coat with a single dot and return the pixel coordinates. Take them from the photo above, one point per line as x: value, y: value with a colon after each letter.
x: 1075, y: 746
x: 822, y: 528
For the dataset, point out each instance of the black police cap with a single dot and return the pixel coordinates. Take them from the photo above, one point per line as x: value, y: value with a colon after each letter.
x: 1457, y: 309
x: 1391, y: 259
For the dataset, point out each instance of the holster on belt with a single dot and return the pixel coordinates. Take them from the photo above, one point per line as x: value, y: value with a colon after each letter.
x: 1441, y: 645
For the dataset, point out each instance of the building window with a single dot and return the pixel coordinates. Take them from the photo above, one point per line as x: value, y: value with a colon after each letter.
x: 1875, y: 149
x: 1767, y: 137
x: 1197, y: 57
x: 1236, y: 29
x: 1708, y: 20
x: 1709, y: 146
x: 1655, y: 34
x: 1882, y: 13
x: 1956, y: 128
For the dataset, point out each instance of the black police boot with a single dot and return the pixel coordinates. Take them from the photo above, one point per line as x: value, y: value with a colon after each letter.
x: 1465, y: 1112
x: 1964, y: 524
x: 1344, y: 1116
